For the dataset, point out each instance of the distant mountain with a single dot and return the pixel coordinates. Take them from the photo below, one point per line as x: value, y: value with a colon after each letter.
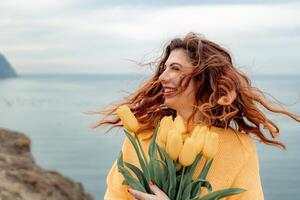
x: 6, y: 70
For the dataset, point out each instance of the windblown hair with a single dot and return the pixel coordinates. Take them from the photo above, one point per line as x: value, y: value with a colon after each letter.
x: 225, y: 97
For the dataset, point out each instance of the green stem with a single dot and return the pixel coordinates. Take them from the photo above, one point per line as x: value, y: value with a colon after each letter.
x: 202, y: 171
x: 180, y: 185
x: 140, y: 145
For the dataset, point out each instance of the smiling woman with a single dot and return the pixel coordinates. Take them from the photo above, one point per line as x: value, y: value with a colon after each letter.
x: 197, y: 80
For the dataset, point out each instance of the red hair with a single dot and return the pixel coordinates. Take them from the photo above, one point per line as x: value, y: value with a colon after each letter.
x: 225, y: 97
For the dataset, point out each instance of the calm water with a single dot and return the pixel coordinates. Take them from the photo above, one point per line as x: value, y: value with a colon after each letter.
x: 49, y: 109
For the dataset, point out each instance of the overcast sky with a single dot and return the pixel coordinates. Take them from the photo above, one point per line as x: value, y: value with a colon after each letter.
x: 81, y: 36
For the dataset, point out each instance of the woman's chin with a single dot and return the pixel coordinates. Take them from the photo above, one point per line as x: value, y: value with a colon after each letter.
x: 170, y: 103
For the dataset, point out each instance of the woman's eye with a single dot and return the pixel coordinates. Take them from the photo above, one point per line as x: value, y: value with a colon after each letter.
x: 171, y: 68
x: 175, y: 68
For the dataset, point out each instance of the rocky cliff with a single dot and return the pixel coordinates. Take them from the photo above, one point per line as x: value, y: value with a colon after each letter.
x: 6, y: 71
x: 22, y: 179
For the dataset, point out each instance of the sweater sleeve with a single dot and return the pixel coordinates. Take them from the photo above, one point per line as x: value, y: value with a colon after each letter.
x: 248, y: 178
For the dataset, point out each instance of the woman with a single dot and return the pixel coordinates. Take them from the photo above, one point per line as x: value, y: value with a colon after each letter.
x: 196, y: 79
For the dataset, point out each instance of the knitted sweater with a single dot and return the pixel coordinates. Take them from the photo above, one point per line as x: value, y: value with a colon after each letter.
x: 235, y: 165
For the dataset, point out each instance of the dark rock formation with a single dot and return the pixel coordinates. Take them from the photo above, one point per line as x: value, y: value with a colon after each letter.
x: 6, y: 71
x: 22, y: 179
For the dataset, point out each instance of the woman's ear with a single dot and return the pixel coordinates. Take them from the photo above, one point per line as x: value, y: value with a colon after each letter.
x: 228, y: 99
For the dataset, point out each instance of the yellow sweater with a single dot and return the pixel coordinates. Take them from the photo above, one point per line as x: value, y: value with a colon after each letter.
x: 235, y: 165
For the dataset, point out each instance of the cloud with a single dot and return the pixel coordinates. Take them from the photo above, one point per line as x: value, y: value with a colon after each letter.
x: 54, y: 35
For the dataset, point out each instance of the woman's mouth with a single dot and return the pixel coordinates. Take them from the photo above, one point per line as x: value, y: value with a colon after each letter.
x: 168, y: 91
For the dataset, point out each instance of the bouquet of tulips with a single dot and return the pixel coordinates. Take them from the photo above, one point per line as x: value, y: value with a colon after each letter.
x: 172, y: 159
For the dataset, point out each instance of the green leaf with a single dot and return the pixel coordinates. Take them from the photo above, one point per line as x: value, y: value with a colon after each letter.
x: 196, y: 188
x: 152, y: 147
x: 170, y: 184
x: 161, y: 154
x: 120, y: 160
x: 204, y: 171
x: 190, y: 171
x: 179, y: 192
x: 141, y: 161
x: 139, y: 175
x: 135, y: 184
x: 198, y: 183
x: 150, y: 168
x: 186, y: 194
x: 164, y: 177
x: 187, y: 179
x: 172, y: 175
x: 128, y: 178
x: 161, y: 173
x: 141, y: 148
x: 165, y: 186
x: 195, y: 185
x: 222, y: 193
x: 204, y: 183
x: 152, y: 155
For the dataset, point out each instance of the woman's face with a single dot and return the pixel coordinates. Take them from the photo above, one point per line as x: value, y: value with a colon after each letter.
x: 176, y: 66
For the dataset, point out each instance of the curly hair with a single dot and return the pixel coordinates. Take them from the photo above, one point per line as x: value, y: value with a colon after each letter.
x: 225, y: 97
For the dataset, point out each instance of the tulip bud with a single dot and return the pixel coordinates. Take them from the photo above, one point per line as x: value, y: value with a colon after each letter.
x: 188, y: 152
x: 198, y: 135
x: 174, y: 144
x: 160, y: 143
x: 211, y: 145
x: 128, y: 119
x: 179, y: 124
x: 195, y: 131
x: 166, y: 124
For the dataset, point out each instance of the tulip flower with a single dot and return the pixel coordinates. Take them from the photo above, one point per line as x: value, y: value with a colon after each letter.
x: 166, y: 124
x: 160, y: 143
x: 188, y: 152
x: 174, y: 144
x: 198, y: 135
x: 128, y: 119
x: 211, y: 145
x: 179, y: 124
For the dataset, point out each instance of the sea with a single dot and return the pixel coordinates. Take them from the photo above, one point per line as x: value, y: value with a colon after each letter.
x: 51, y: 109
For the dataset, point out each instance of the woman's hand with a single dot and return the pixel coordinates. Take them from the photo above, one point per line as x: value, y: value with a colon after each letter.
x: 158, y: 194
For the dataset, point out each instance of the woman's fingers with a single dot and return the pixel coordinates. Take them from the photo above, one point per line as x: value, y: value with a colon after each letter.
x: 157, y: 191
x: 158, y: 194
x: 140, y: 195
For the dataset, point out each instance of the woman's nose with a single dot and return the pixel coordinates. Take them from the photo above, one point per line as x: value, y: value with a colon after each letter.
x: 164, y: 77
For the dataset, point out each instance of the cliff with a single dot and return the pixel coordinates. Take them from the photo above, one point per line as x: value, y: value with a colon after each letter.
x: 22, y: 179
x: 6, y: 71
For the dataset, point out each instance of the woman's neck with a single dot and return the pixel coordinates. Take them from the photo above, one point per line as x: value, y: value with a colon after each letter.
x: 185, y: 114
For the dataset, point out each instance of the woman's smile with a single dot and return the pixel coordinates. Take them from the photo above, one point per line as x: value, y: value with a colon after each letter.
x: 168, y: 91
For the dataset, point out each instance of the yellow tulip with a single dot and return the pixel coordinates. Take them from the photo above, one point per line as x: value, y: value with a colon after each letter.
x: 188, y: 152
x: 174, y: 144
x: 166, y: 124
x: 179, y: 124
x: 128, y: 119
x: 199, y: 135
x: 195, y: 131
x: 211, y: 145
x: 160, y: 143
